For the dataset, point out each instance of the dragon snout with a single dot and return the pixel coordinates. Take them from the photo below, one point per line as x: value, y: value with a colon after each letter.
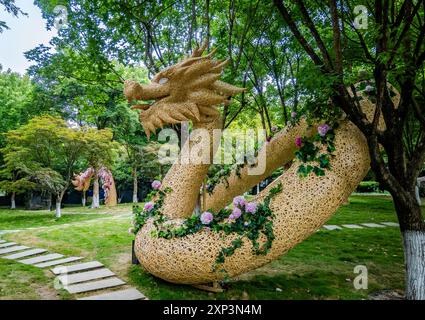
x: 135, y: 91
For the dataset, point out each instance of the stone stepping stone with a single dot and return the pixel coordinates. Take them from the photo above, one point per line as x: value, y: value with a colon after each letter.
x: 24, y: 254
x: 372, y: 225
x: 40, y: 259
x: 127, y: 294
x: 56, y: 262
x: 7, y: 244
x: 77, y: 267
x: 13, y: 249
x: 331, y: 227
x: 68, y: 279
x: 390, y: 224
x: 352, y: 226
x: 95, y: 285
x: 2, y: 241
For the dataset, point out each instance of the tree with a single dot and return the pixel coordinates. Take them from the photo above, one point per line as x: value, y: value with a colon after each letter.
x: 47, y: 143
x: 393, y: 50
x: 14, y: 173
x: 48, y: 181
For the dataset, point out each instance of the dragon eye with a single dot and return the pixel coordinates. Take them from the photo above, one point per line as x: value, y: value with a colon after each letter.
x: 163, y: 80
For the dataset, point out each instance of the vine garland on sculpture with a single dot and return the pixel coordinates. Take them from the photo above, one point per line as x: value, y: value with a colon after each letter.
x: 246, y: 219
x: 222, y: 175
x: 315, y: 152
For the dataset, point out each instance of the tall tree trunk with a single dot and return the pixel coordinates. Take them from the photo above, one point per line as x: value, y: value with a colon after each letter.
x: 263, y: 121
x: 207, y: 22
x: 224, y: 117
x: 95, y: 202
x: 59, y: 198
x: 266, y: 112
x: 414, y: 255
x: 192, y: 26
x: 135, y: 186
x: 13, y: 201
x: 413, y: 231
x: 284, y: 112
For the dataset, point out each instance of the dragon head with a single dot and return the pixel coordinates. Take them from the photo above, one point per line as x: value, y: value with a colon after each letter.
x: 188, y: 90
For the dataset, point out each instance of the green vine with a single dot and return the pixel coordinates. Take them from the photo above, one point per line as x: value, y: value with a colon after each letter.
x: 309, y: 152
x: 250, y: 224
x: 141, y: 215
x: 260, y: 222
x: 222, y: 175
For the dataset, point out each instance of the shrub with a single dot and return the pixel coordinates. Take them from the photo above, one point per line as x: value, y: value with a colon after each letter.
x: 368, y: 186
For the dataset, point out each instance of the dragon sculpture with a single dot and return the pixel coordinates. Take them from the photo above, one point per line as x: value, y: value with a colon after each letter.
x: 81, y: 183
x: 191, y: 91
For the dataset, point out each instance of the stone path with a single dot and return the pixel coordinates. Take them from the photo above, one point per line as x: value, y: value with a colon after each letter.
x: 80, y: 279
x: 7, y: 244
x: 331, y: 227
x: 359, y: 226
x: 13, y: 249
x: 127, y: 294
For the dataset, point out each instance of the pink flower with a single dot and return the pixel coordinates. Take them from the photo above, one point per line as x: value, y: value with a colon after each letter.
x: 251, y: 207
x: 236, y: 213
x: 293, y: 114
x: 206, y: 217
x: 148, y: 206
x: 239, y: 201
x: 232, y: 217
x: 156, y: 184
x: 275, y: 129
x: 323, y: 129
x: 298, y: 142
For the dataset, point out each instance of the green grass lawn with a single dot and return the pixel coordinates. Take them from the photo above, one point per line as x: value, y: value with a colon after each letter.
x: 365, y: 209
x: 20, y: 219
x: 319, y: 268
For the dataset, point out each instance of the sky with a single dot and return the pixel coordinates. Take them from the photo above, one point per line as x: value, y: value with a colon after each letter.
x: 26, y: 32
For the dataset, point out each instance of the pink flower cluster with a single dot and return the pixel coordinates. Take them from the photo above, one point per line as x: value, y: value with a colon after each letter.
x: 148, y: 206
x: 241, y: 205
x: 323, y: 129
x: 156, y: 184
x: 298, y: 142
x: 207, y: 217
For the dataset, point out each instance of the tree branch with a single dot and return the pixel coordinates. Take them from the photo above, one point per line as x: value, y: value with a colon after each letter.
x: 315, y: 33
x: 294, y: 29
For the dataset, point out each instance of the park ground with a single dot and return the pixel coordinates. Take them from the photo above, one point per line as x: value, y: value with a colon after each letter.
x: 319, y: 268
